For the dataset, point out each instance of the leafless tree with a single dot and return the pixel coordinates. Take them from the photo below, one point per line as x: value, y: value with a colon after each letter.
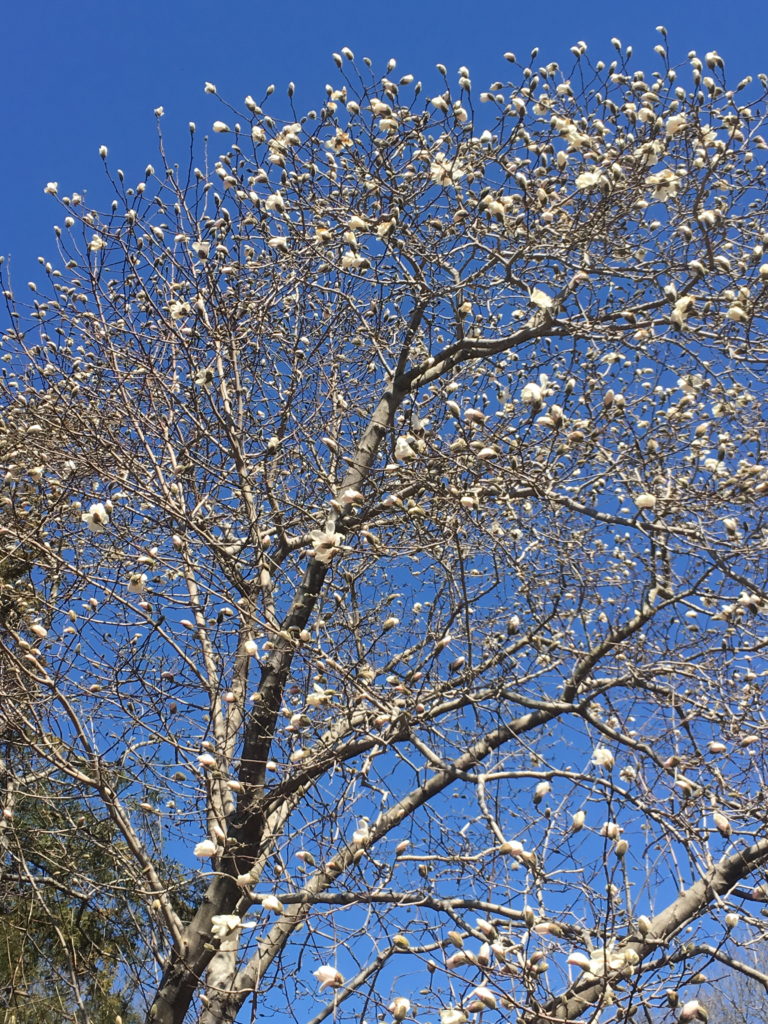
x: 392, y: 484
x: 738, y: 996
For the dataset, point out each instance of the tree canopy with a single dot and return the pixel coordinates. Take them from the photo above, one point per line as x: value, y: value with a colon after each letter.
x: 384, y: 547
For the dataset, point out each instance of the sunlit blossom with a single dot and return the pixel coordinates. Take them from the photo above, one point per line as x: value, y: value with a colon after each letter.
x: 329, y: 977
x: 588, y: 180
x: 541, y: 299
x: 223, y: 924
x: 450, y: 1015
x: 400, y: 1007
x: 137, y: 584
x: 664, y: 184
x: 485, y: 996
x: 275, y: 202
x: 205, y: 848
x: 645, y: 501
x: 531, y: 394
x: 272, y: 903
x: 446, y: 170
x: 602, y: 757
x: 96, y: 518
x: 178, y: 309
x: 675, y: 123
x: 403, y: 450
x: 325, y: 543
x: 693, y: 1010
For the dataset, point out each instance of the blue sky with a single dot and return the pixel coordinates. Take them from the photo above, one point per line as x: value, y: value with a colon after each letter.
x: 82, y: 73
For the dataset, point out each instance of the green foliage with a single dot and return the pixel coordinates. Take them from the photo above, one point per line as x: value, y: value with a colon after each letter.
x: 67, y: 919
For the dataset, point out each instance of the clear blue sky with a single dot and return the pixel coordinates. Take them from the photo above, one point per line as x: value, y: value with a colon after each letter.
x: 81, y: 73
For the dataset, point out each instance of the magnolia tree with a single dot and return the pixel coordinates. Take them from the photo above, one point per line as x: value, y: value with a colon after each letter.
x: 385, y: 521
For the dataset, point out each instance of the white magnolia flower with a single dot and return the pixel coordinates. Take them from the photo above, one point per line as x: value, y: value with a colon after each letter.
x: 675, y: 124
x: 329, y: 977
x: 645, y: 501
x: 682, y: 310
x: 350, y: 260
x: 403, y: 450
x: 737, y: 313
x: 223, y: 924
x: 362, y: 834
x: 513, y: 847
x: 272, y: 903
x: 137, y: 584
x: 722, y: 824
x: 319, y: 697
x: 178, y: 309
x: 607, y: 958
x: 325, y: 543
x: 220, y: 126
x: 445, y: 171
x: 693, y: 1010
x: 541, y: 791
x: 97, y: 243
x: 665, y: 185
x: 577, y: 821
x: 350, y: 496
x: 531, y: 394
x: 275, y: 202
x: 449, y: 1015
x: 470, y: 415
x: 541, y: 299
x: 580, y: 960
x: 51, y: 188
x: 588, y: 179
x: 204, y: 849
x: 400, y: 1007
x: 602, y: 757
x: 96, y: 518
x: 486, y: 997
